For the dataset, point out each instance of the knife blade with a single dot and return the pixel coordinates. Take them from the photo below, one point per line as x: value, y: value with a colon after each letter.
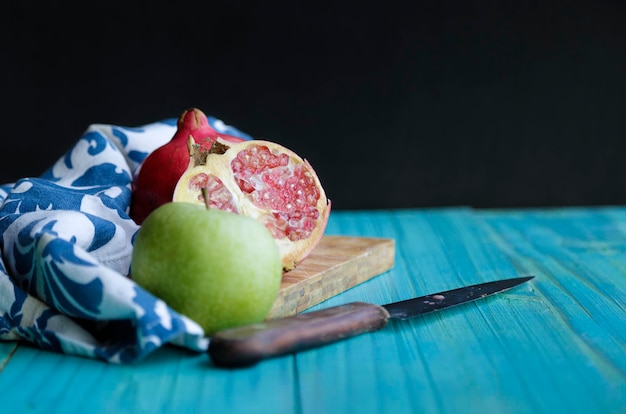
x: 249, y: 344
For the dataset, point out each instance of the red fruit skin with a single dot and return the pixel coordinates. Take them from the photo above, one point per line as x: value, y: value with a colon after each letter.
x: 157, y: 176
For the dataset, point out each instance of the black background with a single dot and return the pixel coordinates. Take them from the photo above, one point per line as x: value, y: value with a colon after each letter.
x: 395, y: 104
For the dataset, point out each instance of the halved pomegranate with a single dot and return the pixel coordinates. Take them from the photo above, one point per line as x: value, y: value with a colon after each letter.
x: 158, y: 174
x: 263, y: 180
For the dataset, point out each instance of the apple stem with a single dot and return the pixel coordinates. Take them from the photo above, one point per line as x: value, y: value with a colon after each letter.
x: 205, y: 197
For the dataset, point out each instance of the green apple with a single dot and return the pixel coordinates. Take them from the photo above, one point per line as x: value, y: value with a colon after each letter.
x: 218, y: 268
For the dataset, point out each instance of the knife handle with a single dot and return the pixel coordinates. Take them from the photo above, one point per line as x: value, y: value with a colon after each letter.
x: 246, y: 345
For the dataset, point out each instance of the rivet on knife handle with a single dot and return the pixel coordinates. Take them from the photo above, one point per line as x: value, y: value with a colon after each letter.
x: 247, y: 345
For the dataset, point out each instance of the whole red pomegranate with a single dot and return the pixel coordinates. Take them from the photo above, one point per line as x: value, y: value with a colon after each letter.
x: 263, y: 180
x: 154, y: 183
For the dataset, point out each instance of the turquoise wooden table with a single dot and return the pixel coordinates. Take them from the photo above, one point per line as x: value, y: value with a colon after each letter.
x: 556, y: 344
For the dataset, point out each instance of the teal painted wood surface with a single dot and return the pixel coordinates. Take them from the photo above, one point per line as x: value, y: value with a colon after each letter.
x: 556, y: 344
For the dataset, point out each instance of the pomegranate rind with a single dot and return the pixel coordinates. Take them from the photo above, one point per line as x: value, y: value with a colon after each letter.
x: 155, y: 179
x: 219, y: 165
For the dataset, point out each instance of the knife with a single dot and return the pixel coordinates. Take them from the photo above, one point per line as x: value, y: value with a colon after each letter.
x: 246, y: 345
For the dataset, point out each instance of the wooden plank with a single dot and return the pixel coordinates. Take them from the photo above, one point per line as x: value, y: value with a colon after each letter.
x: 555, y: 344
x: 337, y: 264
x: 426, y: 364
x: 169, y: 381
x: 6, y: 350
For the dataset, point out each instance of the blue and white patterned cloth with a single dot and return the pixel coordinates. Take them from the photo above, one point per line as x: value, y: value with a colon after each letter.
x: 66, y: 251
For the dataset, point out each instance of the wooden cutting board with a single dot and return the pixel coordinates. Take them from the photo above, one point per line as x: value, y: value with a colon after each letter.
x: 337, y: 264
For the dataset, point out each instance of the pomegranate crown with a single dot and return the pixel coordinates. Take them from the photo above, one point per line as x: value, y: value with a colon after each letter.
x: 192, y: 118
